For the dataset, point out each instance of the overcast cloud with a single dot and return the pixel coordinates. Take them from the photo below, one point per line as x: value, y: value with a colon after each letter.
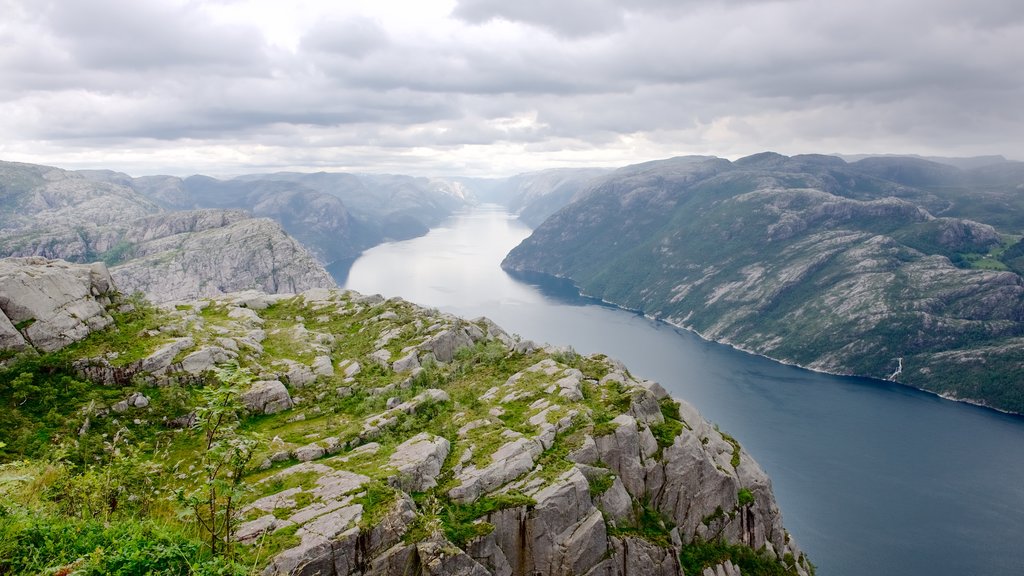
x: 492, y: 87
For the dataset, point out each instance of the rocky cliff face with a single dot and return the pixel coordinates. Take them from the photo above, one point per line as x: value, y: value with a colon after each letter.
x: 207, y: 259
x: 404, y: 440
x: 168, y: 255
x: 807, y: 260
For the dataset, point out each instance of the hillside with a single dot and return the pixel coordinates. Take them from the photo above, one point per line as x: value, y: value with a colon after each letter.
x: 890, y: 268
x: 334, y: 433
x: 169, y: 255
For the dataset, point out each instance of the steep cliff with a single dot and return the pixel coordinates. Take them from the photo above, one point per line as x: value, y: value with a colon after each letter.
x: 400, y: 440
x: 809, y: 260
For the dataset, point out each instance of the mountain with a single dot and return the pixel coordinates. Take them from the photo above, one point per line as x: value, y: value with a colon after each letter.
x: 384, y: 207
x: 334, y: 433
x: 887, y: 267
x: 537, y: 195
x: 54, y: 213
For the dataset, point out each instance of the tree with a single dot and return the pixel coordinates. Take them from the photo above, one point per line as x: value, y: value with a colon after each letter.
x: 227, y: 452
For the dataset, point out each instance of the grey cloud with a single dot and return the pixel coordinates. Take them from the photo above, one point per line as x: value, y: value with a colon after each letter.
x: 571, y: 18
x: 936, y: 74
x: 133, y: 35
x: 353, y: 38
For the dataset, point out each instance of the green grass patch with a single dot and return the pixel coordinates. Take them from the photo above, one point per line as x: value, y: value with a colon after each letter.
x: 698, y: 555
x: 650, y: 525
x: 735, y: 448
x: 459, y: 521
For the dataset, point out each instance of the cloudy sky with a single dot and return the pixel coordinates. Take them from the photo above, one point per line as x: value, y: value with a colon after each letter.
x: 495, y: 87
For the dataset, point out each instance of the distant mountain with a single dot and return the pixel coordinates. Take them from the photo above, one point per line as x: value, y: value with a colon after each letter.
x: 886, y: 267
x: 964, y: 163
x: 382, y: 207
x: 169, y: 255
x: 537, y: 195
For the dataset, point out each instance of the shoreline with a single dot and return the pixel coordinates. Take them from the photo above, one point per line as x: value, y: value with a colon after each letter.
x: 739, y: 348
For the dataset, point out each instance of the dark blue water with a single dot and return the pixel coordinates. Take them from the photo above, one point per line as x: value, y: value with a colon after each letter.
x: 872, y: 477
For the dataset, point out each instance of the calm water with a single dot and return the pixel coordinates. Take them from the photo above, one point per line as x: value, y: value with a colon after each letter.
x: 872, y: 477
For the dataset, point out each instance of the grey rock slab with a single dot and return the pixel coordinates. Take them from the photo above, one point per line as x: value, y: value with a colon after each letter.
x: 406, y: 363
x: 161, y: 359
x: 309, y: 452
x: 56, y: 301
x: 206, y: 358
x: 267, y: 397
x: 10, y: 338
x: 444, y: 344
x: 442, y: 558
x: 322, y: 366
x: 418, y: 461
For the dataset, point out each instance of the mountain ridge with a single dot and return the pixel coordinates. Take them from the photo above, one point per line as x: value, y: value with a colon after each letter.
x: 806, y: 260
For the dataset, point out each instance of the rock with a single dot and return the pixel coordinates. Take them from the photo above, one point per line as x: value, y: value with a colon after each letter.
x: 267, y: 397
x: 10, y: 338
x: 418, y: 461
x: 205, y: 359
x: 159, y: 361
x: 381, y: 357
x: 309, y: 452
x: 510, y: 461
x: 350, y: 368
x: 407, y: 363
x: 298, y: 375
x: 439, y: 558
x: 52, y: 303
x: 138, y: 400
x: 322, y: 366
x: 444, y: 344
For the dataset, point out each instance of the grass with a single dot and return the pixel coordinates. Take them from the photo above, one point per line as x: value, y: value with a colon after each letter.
x: 698, y: 555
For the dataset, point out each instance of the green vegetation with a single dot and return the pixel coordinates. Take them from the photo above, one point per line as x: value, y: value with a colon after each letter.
x: 461, y: 524
x: 735, y: 448
x: 161, y: 487
x: 601, y: 484
x: 650, y: 525
x: 698, y: 555
x: 856, y: 277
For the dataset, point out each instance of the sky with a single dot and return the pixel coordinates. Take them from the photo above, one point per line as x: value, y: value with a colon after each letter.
x: 498, y: 87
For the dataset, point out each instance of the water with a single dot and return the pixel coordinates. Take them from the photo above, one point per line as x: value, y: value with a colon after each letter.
x: 872, y: 477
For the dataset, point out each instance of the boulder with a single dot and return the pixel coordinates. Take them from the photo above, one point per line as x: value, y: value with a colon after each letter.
x: 406, y: 363
x: 160, y: 360
x: 267, y: 397
x: 444, y: 344
x: 206, y: 358
x: 418, y: 461
x: 52, y: 303
x: 322, y: 366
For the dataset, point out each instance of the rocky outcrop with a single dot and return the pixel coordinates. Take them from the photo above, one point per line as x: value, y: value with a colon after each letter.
x: 48, y: 304
x: 242, y: 254
x: 486, y: 458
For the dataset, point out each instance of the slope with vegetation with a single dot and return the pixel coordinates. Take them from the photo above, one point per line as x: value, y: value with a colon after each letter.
x: 334, y: 433
x: 890, y: 268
